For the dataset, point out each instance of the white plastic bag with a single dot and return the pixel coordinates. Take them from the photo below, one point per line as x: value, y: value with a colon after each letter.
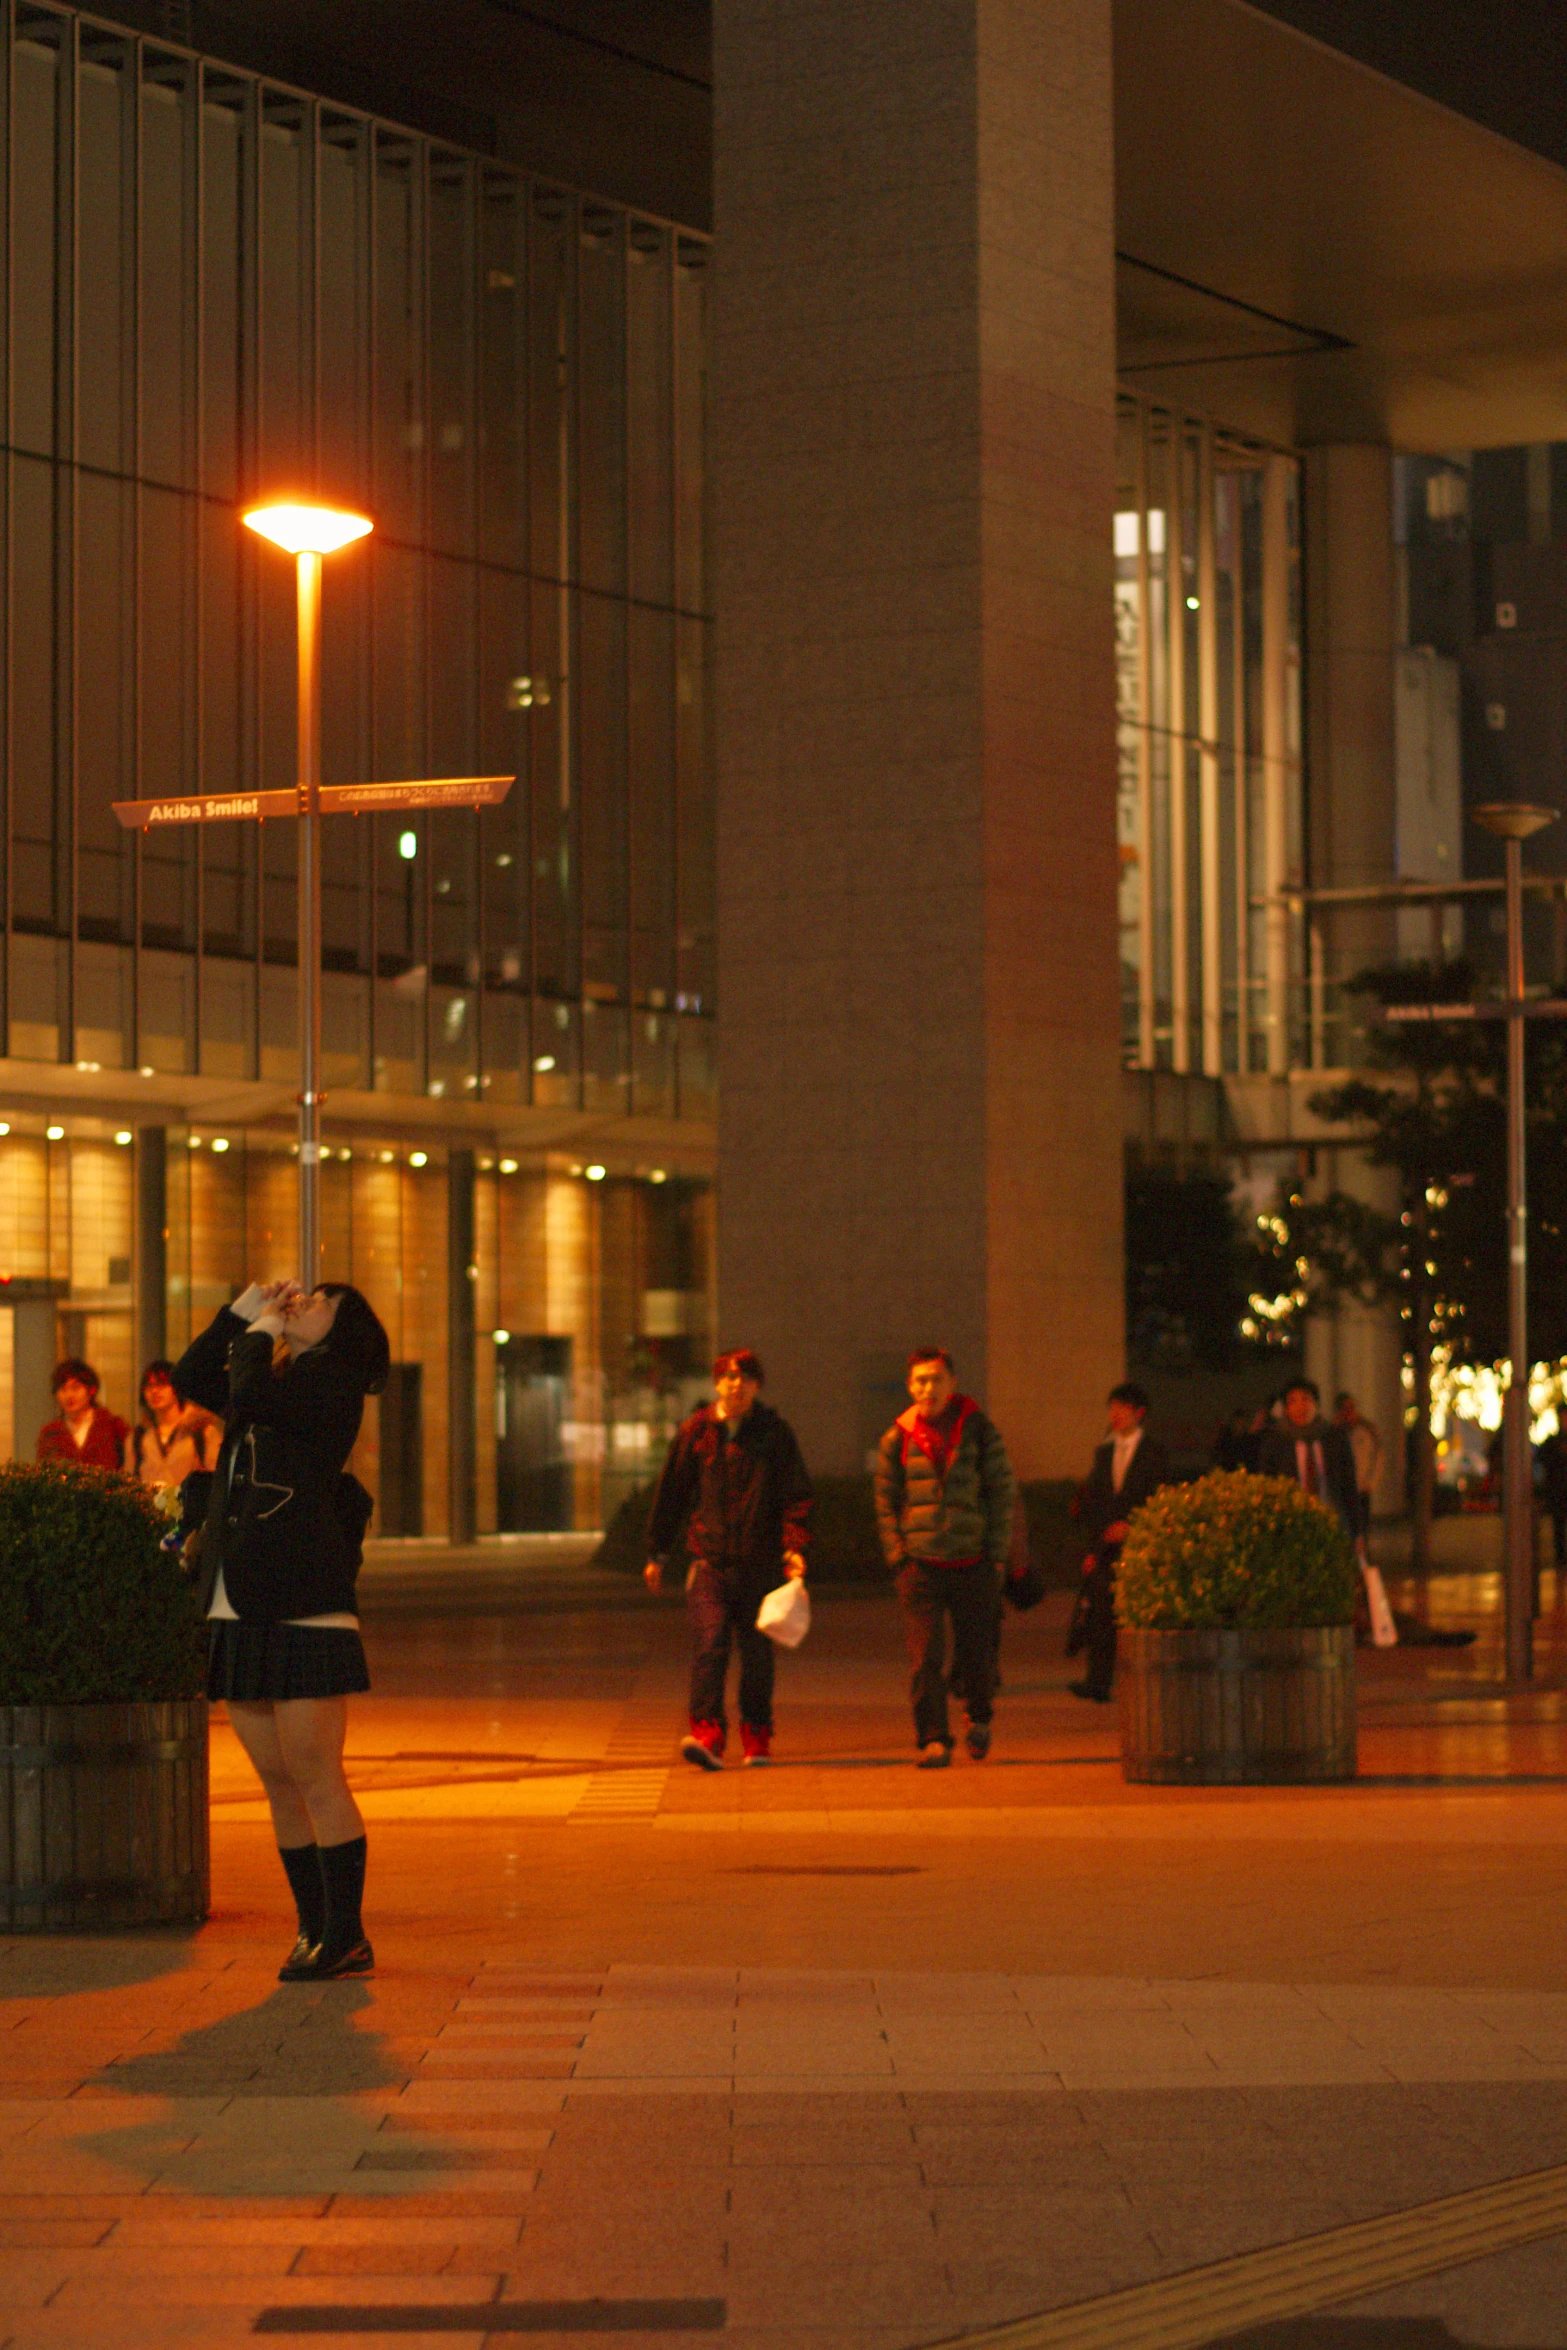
x: 1384, y: 1632
x: 785, y: 1614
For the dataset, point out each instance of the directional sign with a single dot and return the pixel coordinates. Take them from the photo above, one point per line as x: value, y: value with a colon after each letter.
x: 333, y: 799
x: 1532, y: 1008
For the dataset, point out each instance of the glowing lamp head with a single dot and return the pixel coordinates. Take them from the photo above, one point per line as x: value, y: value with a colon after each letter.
x: 307, y: 530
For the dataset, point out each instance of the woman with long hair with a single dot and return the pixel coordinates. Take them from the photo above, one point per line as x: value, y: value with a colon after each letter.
x: 171, y: 1438
x: 280, y: 1551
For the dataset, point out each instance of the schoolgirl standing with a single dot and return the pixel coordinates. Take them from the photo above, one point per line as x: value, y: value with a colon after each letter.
x: 280, y: 1552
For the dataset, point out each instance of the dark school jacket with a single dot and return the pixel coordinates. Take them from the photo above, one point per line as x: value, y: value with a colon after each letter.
x: 284, y: 1521
x: 744, y: 1489
x: 1098, y: 1503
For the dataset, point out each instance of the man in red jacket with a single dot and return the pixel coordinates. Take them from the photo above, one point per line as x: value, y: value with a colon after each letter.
x: 86, y: 1432
x: 735, y: 1480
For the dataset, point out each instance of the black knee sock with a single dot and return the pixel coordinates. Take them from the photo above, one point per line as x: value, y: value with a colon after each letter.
x: 343, y: 1876
x: 302, y: 1865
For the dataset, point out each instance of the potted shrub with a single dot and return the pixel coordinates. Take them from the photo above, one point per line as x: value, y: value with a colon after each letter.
x: 1236, y: 1595
x: 103, y: 1724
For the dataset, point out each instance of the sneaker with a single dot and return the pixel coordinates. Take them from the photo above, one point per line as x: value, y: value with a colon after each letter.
x: 977, y: 1739
x: 703, y: 1745
x: 758, y: 1745
x: 934, y: 1756
x: 1087, y: 1689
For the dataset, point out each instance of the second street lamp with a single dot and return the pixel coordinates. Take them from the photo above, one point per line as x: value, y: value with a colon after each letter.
x: 1512, y: 823
x: 307, y: 533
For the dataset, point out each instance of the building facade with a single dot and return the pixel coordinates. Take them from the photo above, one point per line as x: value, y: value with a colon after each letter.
x: 219, y: 288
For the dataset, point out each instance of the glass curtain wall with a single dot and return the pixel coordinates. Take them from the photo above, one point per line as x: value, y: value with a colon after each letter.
x: 1208, y: 632
x: 217, y: 289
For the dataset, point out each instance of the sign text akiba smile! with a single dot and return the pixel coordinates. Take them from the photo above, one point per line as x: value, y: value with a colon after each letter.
x: 331, y: 799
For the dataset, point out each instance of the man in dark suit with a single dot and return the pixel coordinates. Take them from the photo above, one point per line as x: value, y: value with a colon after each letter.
x: 1314, y: 1452
x: 1128, y: 1467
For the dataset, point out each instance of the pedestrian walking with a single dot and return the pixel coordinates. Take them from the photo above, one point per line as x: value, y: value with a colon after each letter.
x: 1315, y: 1452
x: 736, y: 1481
x: 944, y: 1496
x: 1128, y: 1467
x: 85, y: 1432
x: 1366, y: 1446
x: 172, y: 1439
x: 280, y: 1551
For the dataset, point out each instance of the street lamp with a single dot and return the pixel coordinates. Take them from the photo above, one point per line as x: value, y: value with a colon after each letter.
x: 1512, y: 823
x: 307, y: 533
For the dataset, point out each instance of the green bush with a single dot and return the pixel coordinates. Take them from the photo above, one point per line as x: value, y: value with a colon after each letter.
x: 91, y: 1610
x: 1234, y: 1549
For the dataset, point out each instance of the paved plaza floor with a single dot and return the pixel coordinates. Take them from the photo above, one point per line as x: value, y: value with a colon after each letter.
x: 833, y: 2056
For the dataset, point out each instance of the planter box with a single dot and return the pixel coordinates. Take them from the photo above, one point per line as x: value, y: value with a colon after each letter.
x: 103, y: 1816
x: 1225, y: 1709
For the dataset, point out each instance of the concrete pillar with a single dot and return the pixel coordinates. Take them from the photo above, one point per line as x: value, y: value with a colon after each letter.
x: 1352, y: 644
x: 151, y: 1293
x: 461, y: 1283
x: 912, y: 457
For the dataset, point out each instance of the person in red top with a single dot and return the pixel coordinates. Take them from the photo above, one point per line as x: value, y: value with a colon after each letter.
x: 86, y: 1432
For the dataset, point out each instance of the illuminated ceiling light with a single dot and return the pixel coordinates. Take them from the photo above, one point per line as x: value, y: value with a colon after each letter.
x: 89, y: 1064
x: 4, y: 1128
x: 1191, y: 604
x: 408, y: 846
x: 146, y: 1070
x: 502, y: 1337
x: 387, y: 1157
x: 345, y: 1153
x: 544, y: 1063
x: 307, y: 530
x: 123, y: 1137
x: 508, y: 1166
x: 193, y: 1141
x: 418, y: 1159
x: 595, y: 1174
x: 220, y: 1142
x: 55, y: 1133
x: 657, y: 1175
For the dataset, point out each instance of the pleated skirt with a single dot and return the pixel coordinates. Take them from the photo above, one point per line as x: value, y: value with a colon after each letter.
x: 259, y: 1663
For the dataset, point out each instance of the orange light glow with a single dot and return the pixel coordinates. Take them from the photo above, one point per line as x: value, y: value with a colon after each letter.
x: 307, y: 530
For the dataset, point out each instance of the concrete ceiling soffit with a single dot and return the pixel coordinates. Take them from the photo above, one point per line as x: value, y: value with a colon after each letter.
x: 1312, y: 252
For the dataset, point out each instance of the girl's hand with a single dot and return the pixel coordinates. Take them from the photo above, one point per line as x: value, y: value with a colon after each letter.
x: 250, y: 1302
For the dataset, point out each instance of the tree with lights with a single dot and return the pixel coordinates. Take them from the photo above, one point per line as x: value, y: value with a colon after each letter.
x: 1430, y: 1105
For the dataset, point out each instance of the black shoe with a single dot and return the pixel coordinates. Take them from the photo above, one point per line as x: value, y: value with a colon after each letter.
x: 299, y: 1966
x: 1087, y: 1689
x: 357, y: 1959
x: 977, y: 1739
x: 934, y: 1755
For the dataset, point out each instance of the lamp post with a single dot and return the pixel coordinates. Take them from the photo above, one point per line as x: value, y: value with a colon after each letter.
x: 307, y: 533
x: 1512, y: 823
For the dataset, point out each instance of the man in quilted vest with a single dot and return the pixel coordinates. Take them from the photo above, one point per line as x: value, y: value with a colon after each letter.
x: 944, y: 1491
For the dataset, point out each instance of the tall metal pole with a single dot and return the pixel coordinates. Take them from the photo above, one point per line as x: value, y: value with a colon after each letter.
x: 309, y: 827
x: 1517, y: 1458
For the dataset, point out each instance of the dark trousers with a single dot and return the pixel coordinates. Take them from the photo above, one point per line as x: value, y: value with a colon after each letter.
x: 1099, y: 1629
x: 723, y: 1610
x: 972, y: 1598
